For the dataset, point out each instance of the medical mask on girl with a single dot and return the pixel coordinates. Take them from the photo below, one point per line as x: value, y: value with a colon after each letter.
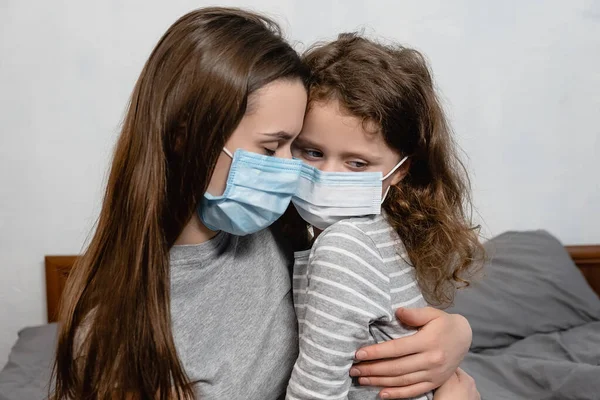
x: 258, y: 191
x: 324, y: 198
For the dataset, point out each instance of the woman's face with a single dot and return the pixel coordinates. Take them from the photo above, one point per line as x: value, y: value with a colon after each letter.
x: 273, y: 120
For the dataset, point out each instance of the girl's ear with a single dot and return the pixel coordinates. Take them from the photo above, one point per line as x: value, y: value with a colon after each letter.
x: 400, y: 172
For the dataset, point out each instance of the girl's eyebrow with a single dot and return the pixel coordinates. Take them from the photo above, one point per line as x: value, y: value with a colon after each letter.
x: 305, y: 142
x: 281, y: 135
x: 372, y: 157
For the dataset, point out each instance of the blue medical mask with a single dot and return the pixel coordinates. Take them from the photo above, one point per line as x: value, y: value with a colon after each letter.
x: 324, y: 198
x: 259, y: 190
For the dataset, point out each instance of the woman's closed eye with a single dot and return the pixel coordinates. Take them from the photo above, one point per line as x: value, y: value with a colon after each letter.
x: 270, y: 152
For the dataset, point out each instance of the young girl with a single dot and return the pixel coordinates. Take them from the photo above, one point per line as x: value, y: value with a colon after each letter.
x: 385, y: 194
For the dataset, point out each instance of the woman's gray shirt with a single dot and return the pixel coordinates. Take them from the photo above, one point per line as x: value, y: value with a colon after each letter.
x: 233, y: 318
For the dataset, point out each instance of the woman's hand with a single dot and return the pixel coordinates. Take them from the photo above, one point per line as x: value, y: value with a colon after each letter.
x: 416, y: 364
x: 460, y: 386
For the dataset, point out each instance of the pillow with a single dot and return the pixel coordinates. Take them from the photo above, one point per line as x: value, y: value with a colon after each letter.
x: 27, y: 373
x: 530, y: 285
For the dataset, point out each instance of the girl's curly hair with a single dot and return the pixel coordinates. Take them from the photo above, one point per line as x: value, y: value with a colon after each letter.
x: 430, y: 208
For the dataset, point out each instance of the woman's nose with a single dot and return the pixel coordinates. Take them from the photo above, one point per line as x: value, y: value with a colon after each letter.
x: 284, y: 152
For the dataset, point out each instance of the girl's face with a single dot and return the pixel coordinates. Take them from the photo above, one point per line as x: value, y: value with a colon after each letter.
x: 333, y: 140
x: 273, y: 120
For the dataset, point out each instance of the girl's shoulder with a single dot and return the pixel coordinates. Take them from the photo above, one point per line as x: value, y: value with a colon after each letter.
x: 373, y: 232
x: 374, y: 227
x: 363, y: 245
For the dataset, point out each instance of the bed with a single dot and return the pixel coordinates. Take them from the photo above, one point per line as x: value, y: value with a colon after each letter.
x: 536, y: 320
x: 535, y: 316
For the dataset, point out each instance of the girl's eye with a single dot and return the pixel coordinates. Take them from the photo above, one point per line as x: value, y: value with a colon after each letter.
x: 269, y: 152
x: 313, y: 154
x: 357, y: 164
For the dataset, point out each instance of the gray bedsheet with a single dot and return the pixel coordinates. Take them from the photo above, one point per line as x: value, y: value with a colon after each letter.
x: 560, y: 365
x: 26, y: 376
x: 535, y: 320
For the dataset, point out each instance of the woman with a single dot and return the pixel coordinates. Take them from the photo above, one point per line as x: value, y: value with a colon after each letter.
x: 168, y: 302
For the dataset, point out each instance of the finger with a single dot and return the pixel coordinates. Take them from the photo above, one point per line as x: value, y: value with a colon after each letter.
x: 463, y: 376
x: 406, y: 392
x: 391, y: 367
x: 466, y: 379
x: 453, y: 379
x: 417, y: 317
x: 395, y: 381
x: 392, y: 348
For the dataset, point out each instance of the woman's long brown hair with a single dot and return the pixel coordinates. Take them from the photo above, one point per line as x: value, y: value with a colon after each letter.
x: 115, y: 336
x: 392, y: 86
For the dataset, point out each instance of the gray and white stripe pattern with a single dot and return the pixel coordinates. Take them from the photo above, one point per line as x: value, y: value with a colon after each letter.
x: 346, y: 291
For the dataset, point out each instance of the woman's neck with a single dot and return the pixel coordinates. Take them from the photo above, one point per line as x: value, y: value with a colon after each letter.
x: 195, y: 232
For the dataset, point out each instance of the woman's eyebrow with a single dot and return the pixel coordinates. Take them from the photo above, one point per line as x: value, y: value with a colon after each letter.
x: 281, y: 135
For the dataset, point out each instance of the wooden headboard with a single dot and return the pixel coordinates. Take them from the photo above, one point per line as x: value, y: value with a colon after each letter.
x: 57, y: 272
x: 587, y: 258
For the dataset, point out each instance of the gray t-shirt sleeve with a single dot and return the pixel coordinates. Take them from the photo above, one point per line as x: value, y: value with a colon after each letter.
x: 348, y: 289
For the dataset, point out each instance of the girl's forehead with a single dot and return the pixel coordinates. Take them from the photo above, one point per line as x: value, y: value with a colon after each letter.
x: 328, y: 123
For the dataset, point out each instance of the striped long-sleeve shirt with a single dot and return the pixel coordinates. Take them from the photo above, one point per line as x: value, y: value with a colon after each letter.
x: 346, y: 291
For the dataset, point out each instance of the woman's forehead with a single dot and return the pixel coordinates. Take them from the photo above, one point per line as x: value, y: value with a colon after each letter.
x: 277, y: 107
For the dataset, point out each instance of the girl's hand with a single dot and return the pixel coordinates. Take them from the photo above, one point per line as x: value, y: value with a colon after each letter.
x: 413, y: 365
x: 460, y: 386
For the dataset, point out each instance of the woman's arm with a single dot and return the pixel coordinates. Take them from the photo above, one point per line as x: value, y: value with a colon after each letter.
x: 413, y: 365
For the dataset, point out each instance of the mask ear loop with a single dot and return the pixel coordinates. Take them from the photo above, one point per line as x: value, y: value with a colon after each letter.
x: 227, y: 152
x: 390, y: 174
